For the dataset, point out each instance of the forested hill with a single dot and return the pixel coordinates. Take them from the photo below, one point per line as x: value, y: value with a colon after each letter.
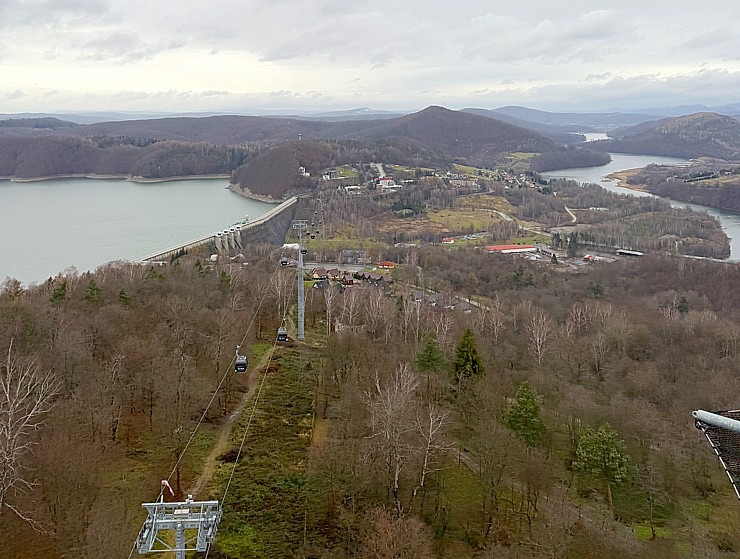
x: 692, y: 136
x: 479, y: 140
x: 275, y: 172
x: 168, y: 147
x: 48, y: 156
x: 225, y: 130
x: 560, y: 134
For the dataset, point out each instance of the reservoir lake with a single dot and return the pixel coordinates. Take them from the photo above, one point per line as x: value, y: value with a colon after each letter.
x: 48, y: 226
x: 730, y: 220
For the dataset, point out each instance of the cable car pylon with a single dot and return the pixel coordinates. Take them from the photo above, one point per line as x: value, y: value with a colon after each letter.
x: 195, y: 524
x: 300, y: 225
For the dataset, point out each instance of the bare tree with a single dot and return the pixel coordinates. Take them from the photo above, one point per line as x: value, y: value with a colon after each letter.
x: 599, y: 347
x: 580, y: 316
x: 431, y: 423
x: 442, y: 327
x: 495, y: 318
x: 11, y: 288
x: 330, y: 295
x: 539, y: 326
x: 374, y: 312
x: 351, y: 304
x: 26, y: 395
x: 282, y: 287
x: 390, y: 536
x: 391, y: 404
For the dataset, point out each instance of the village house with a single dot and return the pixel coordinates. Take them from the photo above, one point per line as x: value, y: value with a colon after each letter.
x: 353, y: 256
x: 319, y: 273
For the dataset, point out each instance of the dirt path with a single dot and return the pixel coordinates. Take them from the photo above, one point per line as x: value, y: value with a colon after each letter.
x: 222, y: 442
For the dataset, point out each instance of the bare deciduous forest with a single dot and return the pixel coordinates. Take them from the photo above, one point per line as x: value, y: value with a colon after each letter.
x: 411, y: 430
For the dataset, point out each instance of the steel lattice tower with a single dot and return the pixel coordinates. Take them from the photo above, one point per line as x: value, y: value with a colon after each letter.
x: 194, y: 522
x: 300, y: 226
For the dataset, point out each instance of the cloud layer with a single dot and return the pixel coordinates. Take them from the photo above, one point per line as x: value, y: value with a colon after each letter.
x: 249, y: 55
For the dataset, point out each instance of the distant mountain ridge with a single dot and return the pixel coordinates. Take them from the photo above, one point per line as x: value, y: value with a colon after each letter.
x: 559, y: 134
x: 162, y: 147
x: 576, y: 122
x: 692, y: 136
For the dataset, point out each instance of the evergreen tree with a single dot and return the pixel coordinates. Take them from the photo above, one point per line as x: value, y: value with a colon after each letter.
x: 467, y: 362
x: 519, y: 277
x: 59, y: 294
x: 430, y: 358
x: 683, y: 305
x: 602, y: 455
x: 123, y: 298
x: 153, y: 274
x: 595, y: 290
x: 572, y: 248
x: 524, y: 416
x: 92, y: 292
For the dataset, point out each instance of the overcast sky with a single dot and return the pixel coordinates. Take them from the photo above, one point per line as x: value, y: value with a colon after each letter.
x: 272, y: 55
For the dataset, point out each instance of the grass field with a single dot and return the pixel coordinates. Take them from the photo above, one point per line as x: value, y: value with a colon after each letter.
x: 485, y: 201
x: 473, y: 172
x: 522, y: 155
x: 266, y: 509
x: 463, y: 220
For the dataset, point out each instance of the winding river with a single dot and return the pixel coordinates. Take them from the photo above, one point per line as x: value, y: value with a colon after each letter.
x: 730, y: 221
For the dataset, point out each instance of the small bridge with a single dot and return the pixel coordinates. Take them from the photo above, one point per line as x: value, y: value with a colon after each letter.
x: 224, y: 242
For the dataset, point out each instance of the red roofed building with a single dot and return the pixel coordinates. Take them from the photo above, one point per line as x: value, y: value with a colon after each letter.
x: 508, y: 249
x: 386, y: 265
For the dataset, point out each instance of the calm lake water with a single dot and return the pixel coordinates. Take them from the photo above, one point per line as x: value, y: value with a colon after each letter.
x: 730, y: 220
x: 48, y: 226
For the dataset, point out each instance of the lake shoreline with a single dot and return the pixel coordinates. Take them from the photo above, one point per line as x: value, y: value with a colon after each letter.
x: 622, y: 176
x: 246, y: 193
x: 127, y: 178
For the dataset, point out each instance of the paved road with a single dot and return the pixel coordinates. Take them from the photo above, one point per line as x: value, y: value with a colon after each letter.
x: 505, y: 217
x: 381, y: 171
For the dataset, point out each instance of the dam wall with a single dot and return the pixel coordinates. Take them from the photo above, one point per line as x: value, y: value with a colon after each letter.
x: 271, y: 229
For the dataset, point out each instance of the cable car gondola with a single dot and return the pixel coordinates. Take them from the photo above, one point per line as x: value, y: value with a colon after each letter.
x: 282, y: 334
x: 304, y: 251
x: 241, y: 362
x: 284, y: 261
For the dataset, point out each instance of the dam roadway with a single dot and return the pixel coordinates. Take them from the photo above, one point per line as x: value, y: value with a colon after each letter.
x: 273, y: 224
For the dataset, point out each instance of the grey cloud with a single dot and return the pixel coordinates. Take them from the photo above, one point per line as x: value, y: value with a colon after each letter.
x: 13, y: 95
x: 47, y: 12
x: 642, y: 91
x: 584, y: 52
x: 588, y: 37
x: 122, y: 47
